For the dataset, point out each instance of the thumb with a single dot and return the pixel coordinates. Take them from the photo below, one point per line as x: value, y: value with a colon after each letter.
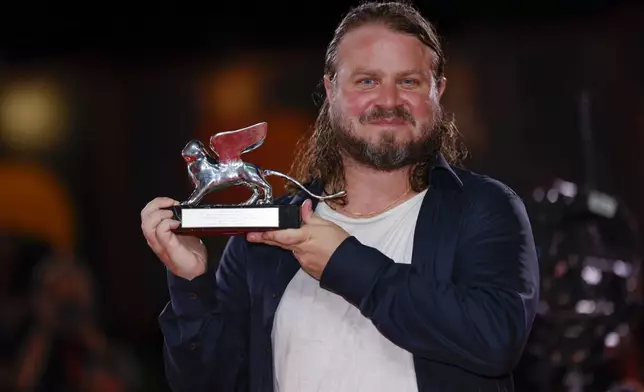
x: 308, y: 216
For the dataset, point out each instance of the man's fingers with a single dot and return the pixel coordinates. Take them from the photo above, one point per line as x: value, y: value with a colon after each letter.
x: 165, y: 239
x: 158, y: 203
x: 273, y: 243
x: 149, y: 227
x: 283, y: 240
x: 258, y: 237
x: 285, y: 237
x: 150, y: 223
x: 164, y: 233
x: 170, y: 241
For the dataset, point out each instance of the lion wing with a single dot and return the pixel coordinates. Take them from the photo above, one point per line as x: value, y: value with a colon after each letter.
x: 230, y: 145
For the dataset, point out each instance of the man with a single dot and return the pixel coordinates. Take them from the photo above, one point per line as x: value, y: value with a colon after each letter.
x: 423, y: 279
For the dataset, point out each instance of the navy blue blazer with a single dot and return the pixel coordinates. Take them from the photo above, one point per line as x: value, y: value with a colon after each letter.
x: 464, y: 307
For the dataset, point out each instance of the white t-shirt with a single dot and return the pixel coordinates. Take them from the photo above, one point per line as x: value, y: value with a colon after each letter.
x: 321, y: 343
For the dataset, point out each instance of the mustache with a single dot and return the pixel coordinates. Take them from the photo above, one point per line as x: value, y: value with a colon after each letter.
x: 378, y: 113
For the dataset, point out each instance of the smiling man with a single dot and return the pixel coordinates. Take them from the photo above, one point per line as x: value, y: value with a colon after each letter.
x: 424, y: 278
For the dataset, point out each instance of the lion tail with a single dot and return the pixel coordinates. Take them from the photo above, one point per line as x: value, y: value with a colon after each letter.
x: 268, y: 172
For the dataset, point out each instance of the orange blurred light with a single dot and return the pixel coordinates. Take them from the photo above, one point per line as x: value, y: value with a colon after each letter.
x: 34, y: 203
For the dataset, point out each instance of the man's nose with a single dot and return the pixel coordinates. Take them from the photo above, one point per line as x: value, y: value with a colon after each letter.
x: 389, y: 96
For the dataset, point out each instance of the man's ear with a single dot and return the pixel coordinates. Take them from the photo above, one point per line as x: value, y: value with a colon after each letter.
x: 442, y: 83
x: 329, y: 86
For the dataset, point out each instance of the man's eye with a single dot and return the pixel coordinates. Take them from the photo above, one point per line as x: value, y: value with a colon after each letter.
x: 410, y: 82
x: 367, y: 82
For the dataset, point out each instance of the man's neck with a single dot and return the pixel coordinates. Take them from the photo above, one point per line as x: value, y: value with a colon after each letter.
x: 370, y: 190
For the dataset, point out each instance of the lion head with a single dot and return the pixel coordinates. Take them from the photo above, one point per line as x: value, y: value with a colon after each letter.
x: 193, y: 151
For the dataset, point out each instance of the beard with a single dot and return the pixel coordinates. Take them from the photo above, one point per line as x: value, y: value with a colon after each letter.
x: 387, y: 153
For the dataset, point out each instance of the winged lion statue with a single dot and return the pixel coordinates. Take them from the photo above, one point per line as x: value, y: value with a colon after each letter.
x: 225, y: 168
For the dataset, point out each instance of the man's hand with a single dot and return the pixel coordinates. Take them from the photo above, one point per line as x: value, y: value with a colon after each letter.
x: 312, y: 244
x: 184, y: 255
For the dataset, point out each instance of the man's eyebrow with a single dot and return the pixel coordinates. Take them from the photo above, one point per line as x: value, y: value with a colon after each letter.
x: 367, y: 71
x: 416, y: 71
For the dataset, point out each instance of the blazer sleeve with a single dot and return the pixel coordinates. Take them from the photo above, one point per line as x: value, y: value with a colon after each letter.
x: 480, y: 320
x: 205, y: 326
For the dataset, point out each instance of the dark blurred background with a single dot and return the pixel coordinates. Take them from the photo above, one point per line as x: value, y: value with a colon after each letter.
x: 98, y: 99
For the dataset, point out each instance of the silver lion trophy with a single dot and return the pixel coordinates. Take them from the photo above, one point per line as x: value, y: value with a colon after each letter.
x: 223, y: 168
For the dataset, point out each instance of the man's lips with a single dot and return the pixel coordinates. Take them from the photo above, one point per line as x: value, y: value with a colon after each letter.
x: 388, y: 121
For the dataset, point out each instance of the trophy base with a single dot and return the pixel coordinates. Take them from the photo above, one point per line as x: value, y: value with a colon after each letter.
x: 212, y: 219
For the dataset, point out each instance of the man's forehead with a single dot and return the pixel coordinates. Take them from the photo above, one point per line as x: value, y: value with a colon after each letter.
x: 359, y: 48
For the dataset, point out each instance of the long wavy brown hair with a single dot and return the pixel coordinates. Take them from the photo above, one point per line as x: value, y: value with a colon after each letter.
x: 318, y: 155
